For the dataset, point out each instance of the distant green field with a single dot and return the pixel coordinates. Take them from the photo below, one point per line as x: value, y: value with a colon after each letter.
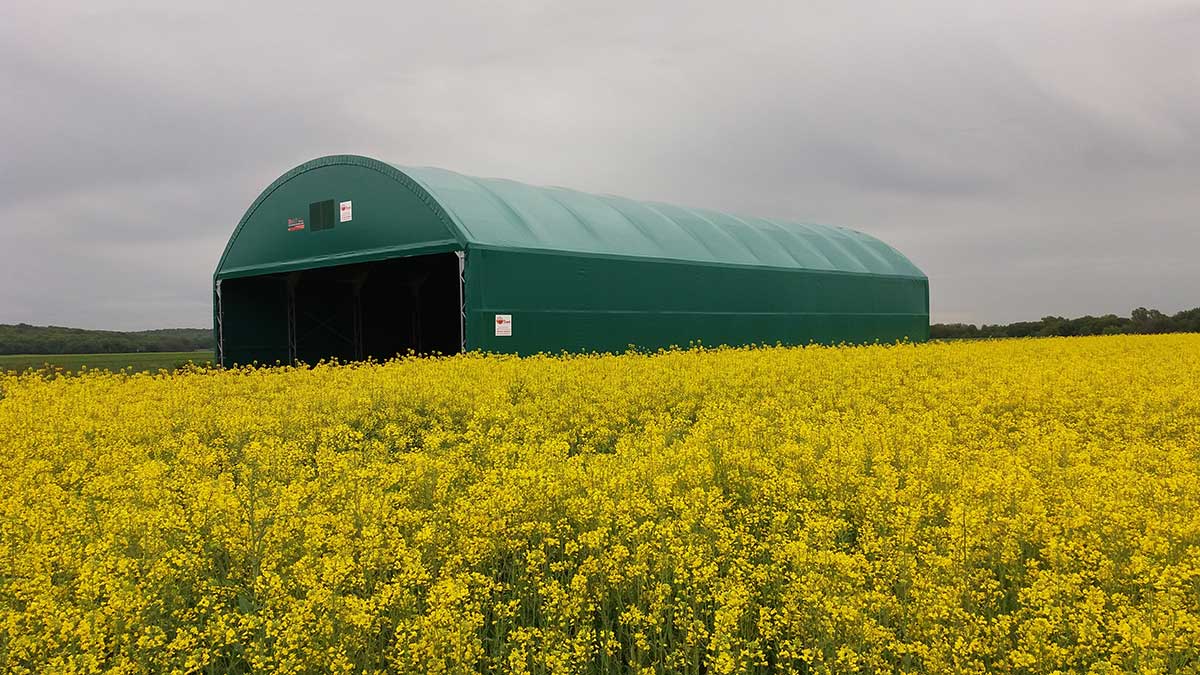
x: 136, y: 361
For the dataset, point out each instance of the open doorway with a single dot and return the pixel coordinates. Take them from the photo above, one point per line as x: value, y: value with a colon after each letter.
x: 348, y: 312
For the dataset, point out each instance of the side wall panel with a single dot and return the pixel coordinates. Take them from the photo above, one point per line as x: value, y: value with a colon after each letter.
x: 579, y: 303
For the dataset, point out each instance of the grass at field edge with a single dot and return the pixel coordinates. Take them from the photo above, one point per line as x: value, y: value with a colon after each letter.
x: 138, y: 361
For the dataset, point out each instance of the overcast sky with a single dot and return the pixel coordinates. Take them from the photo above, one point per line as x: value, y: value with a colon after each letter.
x: 1032, y: 158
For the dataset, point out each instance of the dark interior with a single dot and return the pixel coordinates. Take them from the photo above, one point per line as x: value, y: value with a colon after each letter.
x: 349, y: 312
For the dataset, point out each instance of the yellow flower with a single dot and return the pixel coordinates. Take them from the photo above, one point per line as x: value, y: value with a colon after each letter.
x: 995, y: 506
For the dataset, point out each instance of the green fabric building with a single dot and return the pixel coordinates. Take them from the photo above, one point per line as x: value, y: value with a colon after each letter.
x: 349, y: 257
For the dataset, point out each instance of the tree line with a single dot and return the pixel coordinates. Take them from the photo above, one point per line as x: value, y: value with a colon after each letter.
x: 23, y: 338
x: 1139, y: 321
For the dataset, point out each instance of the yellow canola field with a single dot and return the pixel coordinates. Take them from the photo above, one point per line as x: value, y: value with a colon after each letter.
x: 1022, y: 506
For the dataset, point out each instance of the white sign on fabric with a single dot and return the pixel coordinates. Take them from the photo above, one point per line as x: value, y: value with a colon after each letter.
x: 346, y: 213
x: 503, y: 325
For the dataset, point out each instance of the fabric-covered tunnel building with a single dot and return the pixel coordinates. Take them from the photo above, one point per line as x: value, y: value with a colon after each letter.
x: 350, y: 257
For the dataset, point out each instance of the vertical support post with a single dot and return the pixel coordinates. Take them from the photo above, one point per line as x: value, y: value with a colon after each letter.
x: 462, y: 299
x: 220, y: 325
x: 291, y: 317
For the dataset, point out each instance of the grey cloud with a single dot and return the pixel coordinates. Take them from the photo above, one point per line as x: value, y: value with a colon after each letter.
x: 1033, y: 158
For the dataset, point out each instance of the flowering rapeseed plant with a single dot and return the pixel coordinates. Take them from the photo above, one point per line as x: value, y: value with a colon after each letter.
x: 1013, y: 506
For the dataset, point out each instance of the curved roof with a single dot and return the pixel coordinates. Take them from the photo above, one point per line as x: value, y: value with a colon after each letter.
x: 497, y: 213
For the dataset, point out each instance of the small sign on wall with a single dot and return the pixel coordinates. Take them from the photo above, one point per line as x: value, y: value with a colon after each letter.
x: 346, y: 213
x: 503, y: 325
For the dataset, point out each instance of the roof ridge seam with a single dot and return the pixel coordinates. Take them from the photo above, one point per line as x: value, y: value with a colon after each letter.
x: 823, y: 236
x: 868, y: 244
x: 651, y: 207
x: 582, y: 223
x: 797, y: 236
x: 607, y: 200
x: 722, y: 230
x: 836, y: 238
x: 478, y: 182
x: 766, y: 233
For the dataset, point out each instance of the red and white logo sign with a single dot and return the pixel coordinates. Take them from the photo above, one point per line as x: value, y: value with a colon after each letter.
x: 503, y: 325
x: 347, y: 212
x: 295, y: 224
